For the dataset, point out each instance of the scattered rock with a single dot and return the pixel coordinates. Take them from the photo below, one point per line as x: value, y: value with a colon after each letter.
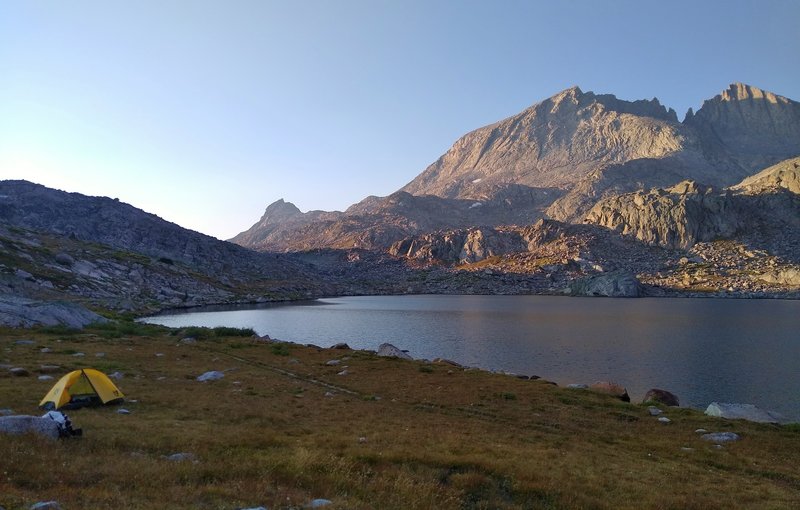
x: 721, y: 437
x: 330, y: 394
x: 700, y: 431
x: 79, y: 354
x: 46, y: 505
x: 343, y: 372
x: 45, y: 377
x: 664, y: 419
x: 116, y: 375
x: 24, y: 342
x: 188, y: 341
x: 45, y: 350
x: 123, y: 411
x: 19, y: 372
x: 65, y: 260
x: 333, y: 362
x: 654, y: 411
x: 443, y: 361
x: 686, y: 449
x: 612, y: 389
x: 578, y: 386
x: 658, y: 396
x: 319, y: 503
x: 340, y: 345
x: 6, y: 412
x: 180, y: 457
x: 99, y: 355
x: 747, y: 412
x: 212, y: 375
x: 362, y: 440
x: 256, y: 508
x: 390, y: 351
x: 28, y: 424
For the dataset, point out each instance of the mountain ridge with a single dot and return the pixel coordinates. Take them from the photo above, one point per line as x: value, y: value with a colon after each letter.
x: 557, y: 159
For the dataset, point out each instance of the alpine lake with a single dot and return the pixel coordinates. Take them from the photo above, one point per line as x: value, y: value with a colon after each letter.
x: 702, y: 350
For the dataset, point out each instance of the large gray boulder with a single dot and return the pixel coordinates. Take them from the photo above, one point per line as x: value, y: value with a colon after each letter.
x: 390, y: 351
x: 22, y: 424
x: 211, y: 375
x: 658, y: 396
x: 21, y: 312
x: 747, y: 412
x: 612, y: 284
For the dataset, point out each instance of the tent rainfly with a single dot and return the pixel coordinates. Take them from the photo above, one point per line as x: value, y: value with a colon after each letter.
x: 79, y: 388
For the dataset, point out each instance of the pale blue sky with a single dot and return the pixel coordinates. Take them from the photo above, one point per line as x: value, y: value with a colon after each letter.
x: 206, y: 112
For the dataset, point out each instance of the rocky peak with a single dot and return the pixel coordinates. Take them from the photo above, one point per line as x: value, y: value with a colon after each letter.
x: 279, y: 211
x: 742, y: 92
x: 554, y: 143
x: 756, y: 127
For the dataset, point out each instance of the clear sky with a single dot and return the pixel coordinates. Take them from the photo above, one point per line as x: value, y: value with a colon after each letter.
x: 205, y: 112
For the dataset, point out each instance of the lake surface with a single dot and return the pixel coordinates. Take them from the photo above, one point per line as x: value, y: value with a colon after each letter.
x: 703, y: 350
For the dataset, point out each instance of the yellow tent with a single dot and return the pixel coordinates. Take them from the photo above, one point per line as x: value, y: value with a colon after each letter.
x: 83, y: 387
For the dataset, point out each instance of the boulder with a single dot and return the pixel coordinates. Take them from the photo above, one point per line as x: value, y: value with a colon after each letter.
x: 612, y: 284
x: 610, y: 388
x: 46, y: 505
x: 390, y: 351
x: 721, y: 437
x: 22, y: 424
x: 747, y: 412
x: 212, y: 375
x: 180, y: 457
x: 319, y: 503
x: 65, y: 259
x: 657, y: 396
x: 20, y: 312
x: 340, y: 345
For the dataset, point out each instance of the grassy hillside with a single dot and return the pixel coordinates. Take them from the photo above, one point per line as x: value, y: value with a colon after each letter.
x: 283, y: 427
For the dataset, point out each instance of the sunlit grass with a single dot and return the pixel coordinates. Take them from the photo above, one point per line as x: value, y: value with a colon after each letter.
x: 282, y: 428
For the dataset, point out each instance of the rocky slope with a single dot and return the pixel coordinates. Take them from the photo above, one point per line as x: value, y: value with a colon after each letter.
x: 763, y: 210
x: 109, y: 254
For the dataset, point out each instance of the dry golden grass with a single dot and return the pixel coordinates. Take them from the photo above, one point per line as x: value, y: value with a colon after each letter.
x: 434, y: 436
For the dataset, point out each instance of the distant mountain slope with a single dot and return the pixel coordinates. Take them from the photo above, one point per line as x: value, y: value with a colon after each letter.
x: 121, y: 253
x: 556, y: 159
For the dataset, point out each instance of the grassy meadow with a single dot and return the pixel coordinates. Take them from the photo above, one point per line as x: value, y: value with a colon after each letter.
x: 283, y: 428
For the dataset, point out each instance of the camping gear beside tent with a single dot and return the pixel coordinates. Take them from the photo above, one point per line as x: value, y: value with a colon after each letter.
x: 79, y: 388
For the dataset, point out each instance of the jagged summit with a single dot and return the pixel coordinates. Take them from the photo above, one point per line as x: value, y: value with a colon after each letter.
x: 279, y: 210
x: 555, y: 142
x: 755, y: 128
x: 742, y: 92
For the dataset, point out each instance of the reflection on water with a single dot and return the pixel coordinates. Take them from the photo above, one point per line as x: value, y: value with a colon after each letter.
x: 700, y: 349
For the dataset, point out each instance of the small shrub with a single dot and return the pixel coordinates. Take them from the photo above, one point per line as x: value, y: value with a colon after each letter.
x: 425, y: 369
x: 226, y: 331
x: 279, y: 349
